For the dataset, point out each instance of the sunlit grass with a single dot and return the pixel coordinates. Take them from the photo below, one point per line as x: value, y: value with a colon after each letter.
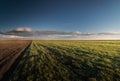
x: 70, y: 61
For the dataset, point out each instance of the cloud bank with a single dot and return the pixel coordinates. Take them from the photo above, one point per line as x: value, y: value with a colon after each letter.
x: 29, y: 34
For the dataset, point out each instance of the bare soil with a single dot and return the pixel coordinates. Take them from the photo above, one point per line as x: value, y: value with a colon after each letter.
x: 9, y: 52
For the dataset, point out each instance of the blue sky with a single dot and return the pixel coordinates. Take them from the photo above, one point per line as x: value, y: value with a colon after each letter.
x: 62, y: 15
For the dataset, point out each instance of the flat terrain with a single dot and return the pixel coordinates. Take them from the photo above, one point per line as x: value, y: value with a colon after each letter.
x: 9, y: 52
x: 69, y: 61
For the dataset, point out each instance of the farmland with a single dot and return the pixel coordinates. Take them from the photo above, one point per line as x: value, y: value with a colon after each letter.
x: 9, y: 52
x: 69, y: 61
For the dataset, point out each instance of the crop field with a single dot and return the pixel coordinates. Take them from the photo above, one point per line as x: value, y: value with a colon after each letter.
x: 9, y: 51
x: 69, y: 61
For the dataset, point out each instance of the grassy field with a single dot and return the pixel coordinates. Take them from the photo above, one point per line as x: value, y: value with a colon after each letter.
x: 69, y: 61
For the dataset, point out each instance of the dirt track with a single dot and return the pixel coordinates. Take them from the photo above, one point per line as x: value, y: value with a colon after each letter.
x: 9, y: 52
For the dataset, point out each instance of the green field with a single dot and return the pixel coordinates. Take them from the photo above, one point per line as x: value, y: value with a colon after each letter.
x: 69, y: 61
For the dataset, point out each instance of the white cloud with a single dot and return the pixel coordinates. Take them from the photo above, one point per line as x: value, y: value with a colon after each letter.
x: 14, y: 37
x: 78, y: 32
x: 26, y: 29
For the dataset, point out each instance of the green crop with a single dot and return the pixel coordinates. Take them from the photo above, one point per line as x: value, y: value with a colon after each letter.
x: 69, y: 61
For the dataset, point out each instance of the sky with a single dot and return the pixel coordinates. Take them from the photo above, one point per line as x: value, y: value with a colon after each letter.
x: 73, y: 16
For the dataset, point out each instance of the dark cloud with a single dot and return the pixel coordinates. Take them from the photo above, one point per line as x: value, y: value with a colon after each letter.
x: 30, y: 32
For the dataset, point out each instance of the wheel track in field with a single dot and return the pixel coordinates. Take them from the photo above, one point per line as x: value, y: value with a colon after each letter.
x: 25, y: 62
x: 59, y: 61
x: 49, y: 56
x: 14, y: 62
x: 11, y: 54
